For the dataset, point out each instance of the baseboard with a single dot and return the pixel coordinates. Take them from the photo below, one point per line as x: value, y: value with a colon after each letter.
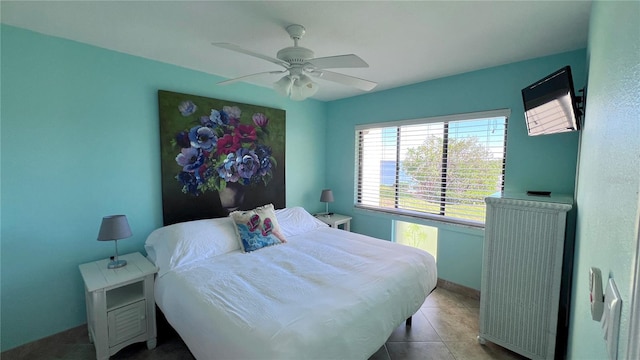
x: 460, y: 289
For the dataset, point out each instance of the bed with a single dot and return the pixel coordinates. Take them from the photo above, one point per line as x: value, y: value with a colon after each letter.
x: 324, y: 294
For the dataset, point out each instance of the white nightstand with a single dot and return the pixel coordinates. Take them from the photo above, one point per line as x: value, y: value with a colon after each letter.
x: 335, y: 220
x: 120, y: 304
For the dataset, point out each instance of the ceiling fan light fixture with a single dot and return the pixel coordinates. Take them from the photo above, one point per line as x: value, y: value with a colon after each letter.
x: 296, y: 87
x: 303, y: 87
x: 308, y: 87
x: 283, y: 86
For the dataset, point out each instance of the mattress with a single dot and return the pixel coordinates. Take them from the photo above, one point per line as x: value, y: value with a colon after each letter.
x: 325, y: 294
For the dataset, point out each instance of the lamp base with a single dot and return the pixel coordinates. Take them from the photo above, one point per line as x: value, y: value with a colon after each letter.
x: 114, y: 264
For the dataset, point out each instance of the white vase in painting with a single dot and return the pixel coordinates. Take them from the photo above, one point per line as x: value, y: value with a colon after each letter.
x: 231, y: 196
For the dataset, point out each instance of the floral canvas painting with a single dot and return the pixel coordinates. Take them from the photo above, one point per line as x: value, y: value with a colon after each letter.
x: 219, y: 156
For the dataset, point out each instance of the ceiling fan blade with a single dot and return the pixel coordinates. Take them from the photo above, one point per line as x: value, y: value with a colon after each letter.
x: 343, y: 79
x: 243, y: 78
x: 339, y: 61
x: 237, y: 48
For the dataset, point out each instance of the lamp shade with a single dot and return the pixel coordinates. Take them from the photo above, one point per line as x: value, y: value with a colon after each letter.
x: 283, y: 86
x: 326, y: 196
x: 303, y: 87
x: 114, y: 227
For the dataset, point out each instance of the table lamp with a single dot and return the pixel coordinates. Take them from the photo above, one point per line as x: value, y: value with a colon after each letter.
x: 114, y: 227
x: 326, y: 197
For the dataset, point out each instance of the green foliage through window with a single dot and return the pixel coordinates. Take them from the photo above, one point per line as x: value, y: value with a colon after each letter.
x: 418, y: 236
x: 442, y: 168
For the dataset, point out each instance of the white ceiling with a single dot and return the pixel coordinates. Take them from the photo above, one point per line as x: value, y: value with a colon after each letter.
x: 403, y: 42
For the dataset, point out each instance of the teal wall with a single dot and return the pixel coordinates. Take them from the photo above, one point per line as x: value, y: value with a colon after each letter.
x: 79, y: 141
x: 543, y: 162
x: 609, y: 175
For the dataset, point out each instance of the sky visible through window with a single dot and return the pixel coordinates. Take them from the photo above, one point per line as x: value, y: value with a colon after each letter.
x: 489, y: 131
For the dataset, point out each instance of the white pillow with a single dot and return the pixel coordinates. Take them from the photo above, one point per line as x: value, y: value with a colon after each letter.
x: 296, y: 220
x: 175, y: 245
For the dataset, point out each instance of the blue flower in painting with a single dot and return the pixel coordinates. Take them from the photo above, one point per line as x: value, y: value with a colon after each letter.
x: 247, y: 163
x: 219, y: 117
x: 234, y: 112
x: 202, y: 137
x: 187, y: 108
x: 264, y: 154
x: 206, y: 172
x: 206, y: 121
x: 193, y: 180
x: 190, y: 159
x: 188, y: 181
x: 202, y: 173
x: 227, y: 171
x: 182, y: 139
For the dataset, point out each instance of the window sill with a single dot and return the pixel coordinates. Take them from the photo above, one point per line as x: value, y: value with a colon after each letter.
x: 427, y: 219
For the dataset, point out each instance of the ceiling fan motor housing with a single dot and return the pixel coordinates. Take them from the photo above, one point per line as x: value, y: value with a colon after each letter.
x: 295, y: 55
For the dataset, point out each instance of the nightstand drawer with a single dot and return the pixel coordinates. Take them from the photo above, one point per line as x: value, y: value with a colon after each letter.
x: 127, y: 322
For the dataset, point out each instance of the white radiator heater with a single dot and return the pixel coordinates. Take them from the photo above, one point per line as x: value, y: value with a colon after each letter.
x: 521, y: 272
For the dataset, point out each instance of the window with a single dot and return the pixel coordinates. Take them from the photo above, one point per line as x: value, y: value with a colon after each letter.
x: 419, y: 236
x: 440, y: 168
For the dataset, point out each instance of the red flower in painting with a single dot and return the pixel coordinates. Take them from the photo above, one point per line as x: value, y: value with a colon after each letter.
x: 246, y: 133
x: 227, y: 144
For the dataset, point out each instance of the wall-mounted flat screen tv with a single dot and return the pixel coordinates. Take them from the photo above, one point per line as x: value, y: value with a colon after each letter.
x: 550, y: 104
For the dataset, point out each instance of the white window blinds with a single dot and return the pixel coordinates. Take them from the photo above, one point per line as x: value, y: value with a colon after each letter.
x: 440, y: 168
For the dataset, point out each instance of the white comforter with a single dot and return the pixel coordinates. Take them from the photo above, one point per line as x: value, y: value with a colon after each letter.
x: 326, y: 294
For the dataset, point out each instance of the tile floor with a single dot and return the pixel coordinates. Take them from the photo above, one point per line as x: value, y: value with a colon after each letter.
x: 445, y: 327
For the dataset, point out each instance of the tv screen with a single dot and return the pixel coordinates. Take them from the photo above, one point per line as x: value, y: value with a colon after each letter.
x: 550, y: 104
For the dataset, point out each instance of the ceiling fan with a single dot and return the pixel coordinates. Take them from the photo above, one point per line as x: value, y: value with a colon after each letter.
x: 300, y: 65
